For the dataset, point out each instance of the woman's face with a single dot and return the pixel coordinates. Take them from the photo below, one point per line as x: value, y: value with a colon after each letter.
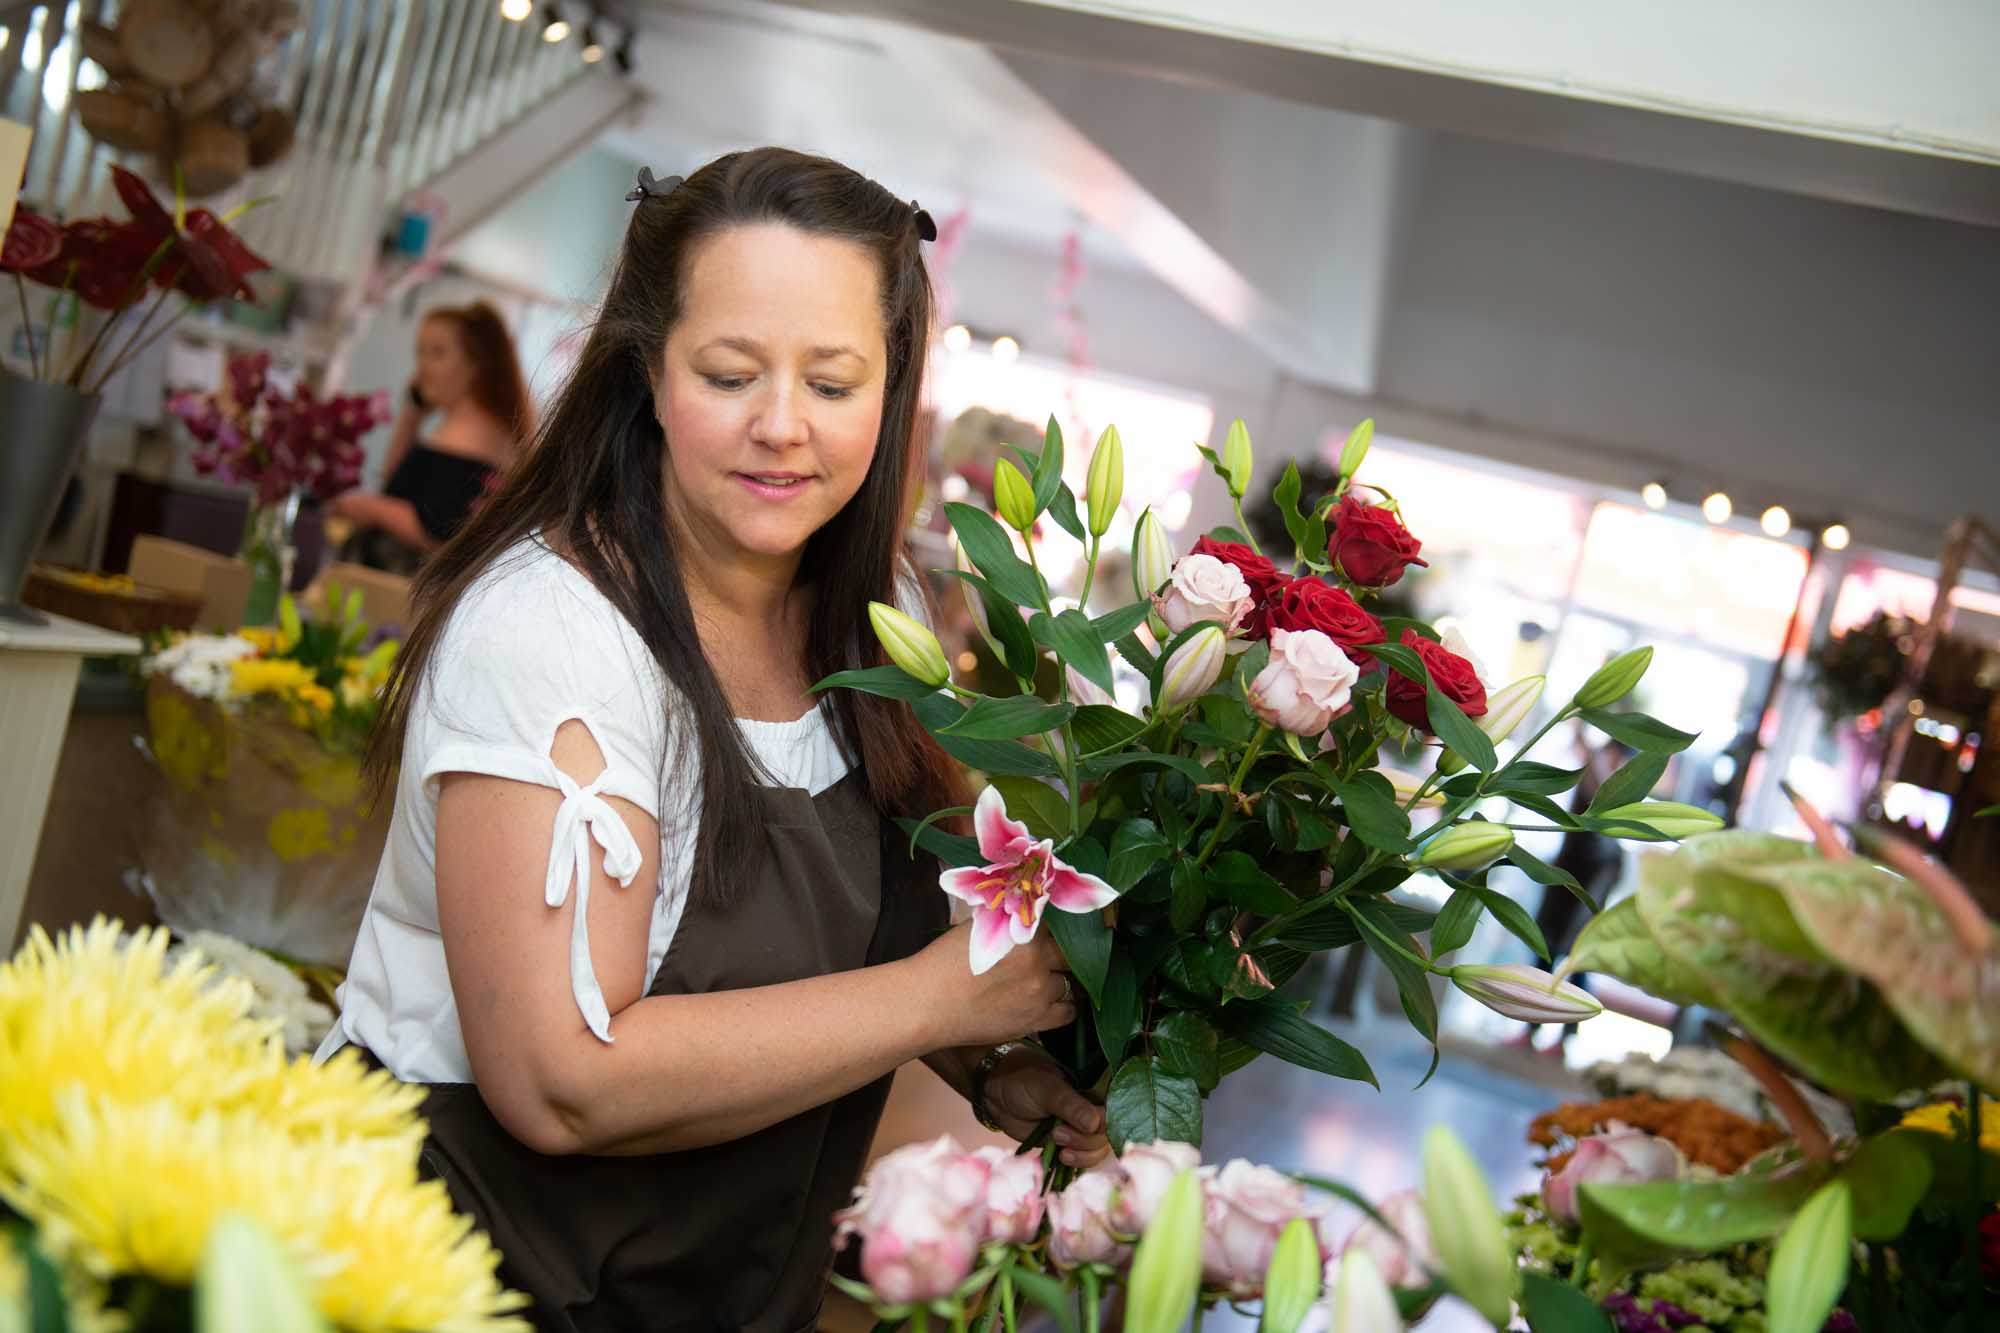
x: 771, y: 388
x: 444, y: 371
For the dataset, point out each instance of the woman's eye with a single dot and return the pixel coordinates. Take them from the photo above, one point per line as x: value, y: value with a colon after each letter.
x: 726, y: 382
x: 833, y: 390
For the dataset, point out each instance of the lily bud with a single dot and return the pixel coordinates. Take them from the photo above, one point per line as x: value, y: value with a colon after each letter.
x: 1292, y: 1282
x: 1508, y: 708
x: 1809, y: 1264
x: 1471, y: 1242
x: 1515, y: 990
x: 1356, y: 447
x: 1466, y: 846
x: 246, y: 1284
x: 1615, y: 679
x: 1673, y: 819
x: 1361, y: 1301
x: 1194, y: 667
x: 1165, y: 1276
x: 1106, y: 482
x: 909, y: 643
x: 1407, y: 785
x: 1013, y: 496
x: 1236, y: 460
x: 1152, y: 556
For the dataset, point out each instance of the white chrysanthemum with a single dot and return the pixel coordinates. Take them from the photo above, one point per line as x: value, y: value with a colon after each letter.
x: 199, y: 663
x: 281, y: 994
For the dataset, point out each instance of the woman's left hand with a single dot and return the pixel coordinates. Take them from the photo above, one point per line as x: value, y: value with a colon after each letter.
x: 1027, y: 1088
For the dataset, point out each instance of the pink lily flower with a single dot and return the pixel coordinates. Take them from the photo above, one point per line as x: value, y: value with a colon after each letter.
x: 1022, y: 877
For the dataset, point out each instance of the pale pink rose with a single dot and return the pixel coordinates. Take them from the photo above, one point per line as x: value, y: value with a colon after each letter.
x: 1306, y: 684
x: 1022, y: 877
x: 1013, y: 1195
x: 1149, y: 1169
x: 921, y: 1216
x: 1080, y: 1221
x: 1620, y: 1155
x: 1247, y: 1207
x: 1204, y: 588
x: 1083, y: 690
x: 1404, y: 1260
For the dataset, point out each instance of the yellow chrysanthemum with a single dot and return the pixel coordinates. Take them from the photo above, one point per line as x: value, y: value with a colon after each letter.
x: 1948, y: 1118
x: 261, y: 637
x: 300, y: 832
x: 137, y: 1188
x: 269, y: 675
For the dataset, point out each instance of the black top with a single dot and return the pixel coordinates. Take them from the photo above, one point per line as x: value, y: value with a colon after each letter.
x: 443, y: 488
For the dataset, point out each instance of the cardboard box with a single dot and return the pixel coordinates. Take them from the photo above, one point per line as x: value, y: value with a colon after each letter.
x: 222, y: 582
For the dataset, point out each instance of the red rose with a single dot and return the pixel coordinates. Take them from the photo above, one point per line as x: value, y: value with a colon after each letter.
x: 1312, y: 603
x: 1370, y: 544
x: 1452, y: 674
x: 1265, y: 581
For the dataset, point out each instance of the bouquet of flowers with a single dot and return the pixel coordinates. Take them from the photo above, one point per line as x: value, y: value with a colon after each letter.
x: 263, y: 829
x: 1199, y: 849
x: 250, y: 433
x: 164, y: 1165
x: 111, y: 265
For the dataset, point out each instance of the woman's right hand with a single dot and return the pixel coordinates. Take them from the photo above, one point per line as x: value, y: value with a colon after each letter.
x: 1027, y: 991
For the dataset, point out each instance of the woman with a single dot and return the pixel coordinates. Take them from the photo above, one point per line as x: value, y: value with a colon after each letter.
x: 642, y: 921
x: 467, y: 370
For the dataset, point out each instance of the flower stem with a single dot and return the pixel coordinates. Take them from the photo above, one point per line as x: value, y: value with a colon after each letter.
x: 1579, y: 1273
x: 28, y: 323
x: 1007, y: 1299
x: 1092, y: 1302
x: 1244, y: 527
x: 1089, y: 574
x: 1229, y: 800
x: 920, y: 1319
x: 1785, y: 1098
x: 135, y: 345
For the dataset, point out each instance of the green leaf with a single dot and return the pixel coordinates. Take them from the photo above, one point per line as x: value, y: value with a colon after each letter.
x: 891, y: 682
x: 1617, y: 943
x: 1274, y: 1026
x: 1557, y: 1307
x: 954, y: 849
x: 1547, y: 809
x: 1036, y: 804
x: 1147, y: 1104
x: 1243, y: 882
x: 1412, y: 982
x: 1403, y: 661
x: 986, y: 544
x: 1533, y: 778
x: 1136, y: 847
x: 1115, y: 625
x: 1187, y: 1045
x: 1633, y: 782
x: 1136, y: 655
x: 1100, y: 727
x: 1545, y: 874
x: 1633, y: 1225
x: 1374, y: 816
x: 1076, y: 643
x: 1118, y: 1014
x: 1889, y: 1174
x: 1190, y: 896
x: 1104, y: 765
x: 991, y: 719
x: 1810, y: 1261
x: 1646, y: 734
x: 1225, y: 533
x: 1052, y: 1296
x: 993, y: 758
x: 1085, y: 942
x: 1456, y: 922
x: 1004, y: 623
x: 1455, y: 729
x: 1508, y: 913
x: 1048, y: 471
x: 1287, y: 498
x: 1062, y: 508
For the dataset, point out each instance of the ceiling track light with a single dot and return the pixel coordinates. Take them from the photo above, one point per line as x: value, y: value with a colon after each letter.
x: 555, y: 28
x: 1717, y: 508
x: 1654, y: 494
x: 593, y: 47
x: 1835, y: 537
x: 516, y: 11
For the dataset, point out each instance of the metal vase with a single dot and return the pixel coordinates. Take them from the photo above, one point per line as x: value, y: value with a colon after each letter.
x: 43, y: 427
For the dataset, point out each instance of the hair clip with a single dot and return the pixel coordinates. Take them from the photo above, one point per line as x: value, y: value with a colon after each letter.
x: 650, y: 187
x: 926, y: 229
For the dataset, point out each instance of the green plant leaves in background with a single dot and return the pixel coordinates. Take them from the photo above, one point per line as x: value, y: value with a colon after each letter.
x: 1186, y: 1044
x: 1147, y: 1104
x: 1616, y: 941
x: 991, y: 552
x: 939, y: 711
x: 1036, y: 804
x: 990, y: 719
x: 1274, y: 1025
x: 891, y: 682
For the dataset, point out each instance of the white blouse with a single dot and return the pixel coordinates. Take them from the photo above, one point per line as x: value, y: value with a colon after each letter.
x: 534, y: 644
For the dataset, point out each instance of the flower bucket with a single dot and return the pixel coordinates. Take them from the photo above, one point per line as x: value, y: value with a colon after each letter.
x: 258, y: 830
x: 42, y: 432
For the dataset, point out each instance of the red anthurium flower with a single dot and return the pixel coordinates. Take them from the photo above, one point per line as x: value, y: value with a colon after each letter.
x: 205, y: 261
x: 32, y: 241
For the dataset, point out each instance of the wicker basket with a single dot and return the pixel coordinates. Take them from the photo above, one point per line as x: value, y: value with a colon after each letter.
x: 127, y: 608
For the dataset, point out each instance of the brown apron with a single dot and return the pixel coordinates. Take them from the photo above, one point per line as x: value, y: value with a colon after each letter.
x: 737, y: 1235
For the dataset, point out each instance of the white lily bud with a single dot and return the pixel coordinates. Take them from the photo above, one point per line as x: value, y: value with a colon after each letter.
x: 909, y: 643
x: 1515, y: 990
x: 1507, y: 709
x: 1152, y: 556
x: 1194, y: 667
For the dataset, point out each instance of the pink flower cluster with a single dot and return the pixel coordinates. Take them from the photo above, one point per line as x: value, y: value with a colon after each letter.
x: 277, y: 443
x: 924, y: 1210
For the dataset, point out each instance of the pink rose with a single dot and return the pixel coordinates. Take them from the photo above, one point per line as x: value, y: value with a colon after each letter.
x: 1080, y: 1229
x: 1247, y: 1208
x: 1405, y: 1258
x: 1149, y: 1169
x: 1013, y: 1195
x: 1204, y: 588
x: 1306, y: 685
x: 921, y: 1215
x: 1620, y: 1155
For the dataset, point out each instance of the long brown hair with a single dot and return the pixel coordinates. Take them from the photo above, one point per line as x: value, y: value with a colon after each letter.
x: 497, y: 383
x: 593, y: 484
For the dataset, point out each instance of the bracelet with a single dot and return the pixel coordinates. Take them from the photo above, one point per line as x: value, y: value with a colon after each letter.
x: 987, y: 1064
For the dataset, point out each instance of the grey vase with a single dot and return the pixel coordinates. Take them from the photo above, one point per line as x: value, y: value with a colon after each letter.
x: 42, y: 431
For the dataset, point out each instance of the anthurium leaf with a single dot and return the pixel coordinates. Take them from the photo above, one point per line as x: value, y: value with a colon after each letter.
x: 1628, y: 1226
x: 1949, y: 1156
x: 1646, y: 734
x: 1275, y: 1026
x: 1557, y: 1307
x: 1617, y: 943
x: 1738, y: 935
x: 1187, y: 1045
x: 1036, y: 804
x: 987, y: 545
x: 1633, y: 782
x: 938, y: 711
x: 1075, y: 642
x: 1147, y: 1104
x: 1085, y: 942
x: 1100, y: 727
x: 1888, y: 930
x: 891, y: 682
x: 1136, y: 847
x: 990, y: 719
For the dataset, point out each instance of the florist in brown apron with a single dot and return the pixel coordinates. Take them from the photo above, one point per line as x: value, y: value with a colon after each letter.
x: 644, y: 924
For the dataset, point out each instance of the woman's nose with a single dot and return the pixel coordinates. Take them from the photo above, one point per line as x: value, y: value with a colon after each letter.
x: 781, y: 420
